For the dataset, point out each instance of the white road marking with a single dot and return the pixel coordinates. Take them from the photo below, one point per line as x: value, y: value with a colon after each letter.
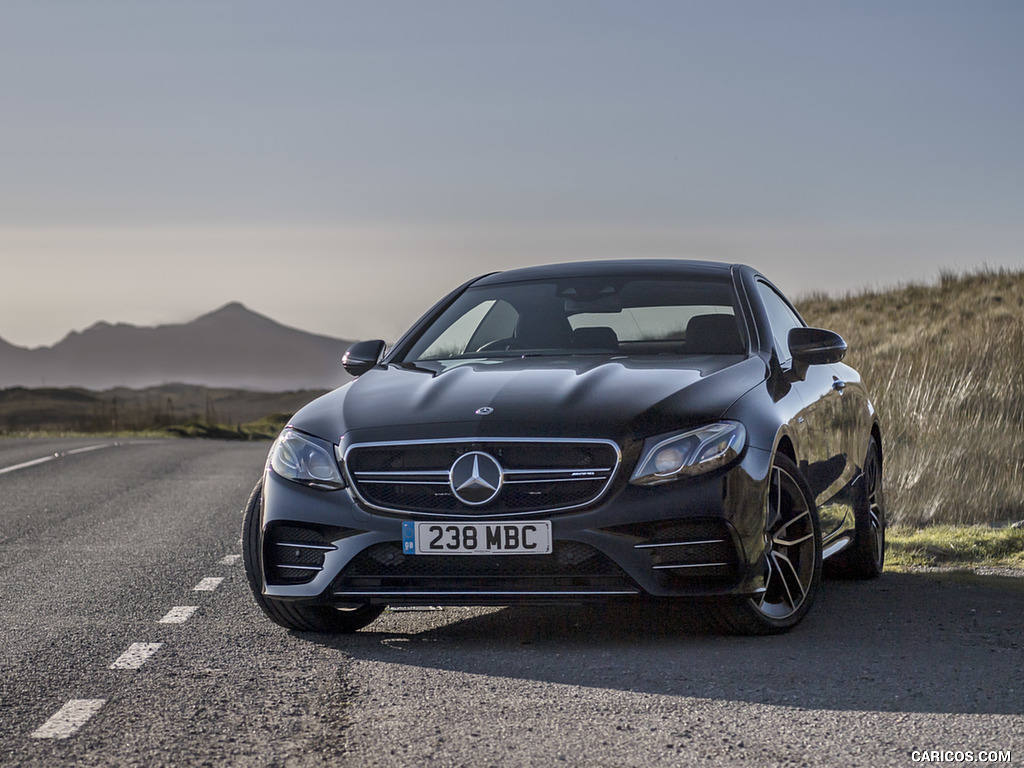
x: 69, y: 719
x: 91, y: 448
x: 414, y: 608
x: 179, y: 614
x: 230, y: 560
x: 32, y: 463
x: 51, y: 457
x: 136, y: 655
x: 208, y: 584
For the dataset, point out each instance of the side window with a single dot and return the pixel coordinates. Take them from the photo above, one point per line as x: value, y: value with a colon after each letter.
x: 781, y: 318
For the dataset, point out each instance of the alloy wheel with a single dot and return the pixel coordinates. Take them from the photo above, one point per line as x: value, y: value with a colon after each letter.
x: 791, y: 549
x: 873, y: 478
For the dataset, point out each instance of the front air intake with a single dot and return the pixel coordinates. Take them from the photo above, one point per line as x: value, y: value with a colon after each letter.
x: 293, y: 554
x: 688, y: 550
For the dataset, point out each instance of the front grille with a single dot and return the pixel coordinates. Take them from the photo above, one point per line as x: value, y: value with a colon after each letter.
x: 536, y: 475
x: 571, y: 566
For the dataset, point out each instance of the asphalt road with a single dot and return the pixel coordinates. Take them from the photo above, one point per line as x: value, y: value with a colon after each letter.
x: 99, y: 549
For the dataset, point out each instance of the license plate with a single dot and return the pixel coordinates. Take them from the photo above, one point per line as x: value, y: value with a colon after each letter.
x: 503, y: 538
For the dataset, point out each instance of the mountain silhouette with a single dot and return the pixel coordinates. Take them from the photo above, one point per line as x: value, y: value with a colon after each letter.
x: 230, y: 347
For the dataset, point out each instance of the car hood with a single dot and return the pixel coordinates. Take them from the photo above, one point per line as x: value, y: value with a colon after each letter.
x: 577, y: 396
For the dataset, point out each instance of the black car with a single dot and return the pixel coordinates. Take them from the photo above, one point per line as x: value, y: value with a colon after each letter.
x: 589, y: 431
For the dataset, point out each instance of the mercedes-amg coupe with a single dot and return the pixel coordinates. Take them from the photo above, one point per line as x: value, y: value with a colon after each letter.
x: 595, y: 431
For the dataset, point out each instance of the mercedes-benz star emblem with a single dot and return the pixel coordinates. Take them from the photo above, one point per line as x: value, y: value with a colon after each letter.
x: 475, y: 478
x: 485, y: 411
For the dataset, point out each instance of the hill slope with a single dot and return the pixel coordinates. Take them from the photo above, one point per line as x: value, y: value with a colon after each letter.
x: 231, y: 347
x: 945, y: 367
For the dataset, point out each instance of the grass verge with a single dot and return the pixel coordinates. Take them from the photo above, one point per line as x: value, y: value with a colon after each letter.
x: 958, y: 546
x: 266, y: 428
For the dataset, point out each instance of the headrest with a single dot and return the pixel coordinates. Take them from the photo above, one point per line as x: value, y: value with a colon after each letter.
x: 713, y: 335
x: 599, y: 337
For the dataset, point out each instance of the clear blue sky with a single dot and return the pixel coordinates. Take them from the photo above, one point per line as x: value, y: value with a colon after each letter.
x: 339, y: 165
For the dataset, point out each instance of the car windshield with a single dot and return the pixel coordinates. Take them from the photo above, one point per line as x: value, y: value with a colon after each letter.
x: 585, y: 315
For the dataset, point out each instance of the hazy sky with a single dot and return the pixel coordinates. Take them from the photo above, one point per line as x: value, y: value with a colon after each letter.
x: 339, y: 165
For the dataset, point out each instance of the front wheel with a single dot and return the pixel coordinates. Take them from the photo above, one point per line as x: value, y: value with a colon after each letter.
x: 302, y: 618
x: 792, y: 560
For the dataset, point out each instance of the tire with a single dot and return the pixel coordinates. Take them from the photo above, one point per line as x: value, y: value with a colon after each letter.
x: 301, y: 618
x: 793, y: 560
x: 865, y: 558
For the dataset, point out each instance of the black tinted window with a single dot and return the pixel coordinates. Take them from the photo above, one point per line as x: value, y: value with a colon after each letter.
x: 619, y: 315
x: 781, y: 318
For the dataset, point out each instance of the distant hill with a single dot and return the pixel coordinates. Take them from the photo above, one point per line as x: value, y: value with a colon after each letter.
x: 231, y: 347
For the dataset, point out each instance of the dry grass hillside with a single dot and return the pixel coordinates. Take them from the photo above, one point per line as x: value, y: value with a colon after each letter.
x: 945, y: 366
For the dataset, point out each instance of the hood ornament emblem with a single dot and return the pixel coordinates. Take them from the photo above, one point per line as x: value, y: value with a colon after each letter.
x: 476, y: 478
x: 485, y: 411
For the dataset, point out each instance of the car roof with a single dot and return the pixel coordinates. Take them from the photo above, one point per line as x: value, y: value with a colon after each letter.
x: 632, y: 267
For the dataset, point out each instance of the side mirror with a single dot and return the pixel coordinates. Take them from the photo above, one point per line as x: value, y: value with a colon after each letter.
x: 814, y: 346
x: 362, y: 356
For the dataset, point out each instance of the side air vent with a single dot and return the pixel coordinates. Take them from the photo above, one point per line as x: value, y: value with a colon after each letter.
x: 293, y: 554
x: 692, y: 550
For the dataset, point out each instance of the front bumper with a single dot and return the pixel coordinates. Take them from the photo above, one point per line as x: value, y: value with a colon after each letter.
x: 696, y: 537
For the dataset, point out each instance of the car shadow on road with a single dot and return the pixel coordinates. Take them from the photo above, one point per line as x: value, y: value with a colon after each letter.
x: 934, y: 643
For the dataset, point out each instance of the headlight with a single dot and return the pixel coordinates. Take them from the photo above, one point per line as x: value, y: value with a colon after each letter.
x: 305, y: 460
x: 691, y: 453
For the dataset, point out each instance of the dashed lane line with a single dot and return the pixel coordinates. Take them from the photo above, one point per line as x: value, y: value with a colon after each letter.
x: 179, y: 614
x: 68, y: 719
x: 77, y: 712
x: 136, y: 655
x: 53, y: 456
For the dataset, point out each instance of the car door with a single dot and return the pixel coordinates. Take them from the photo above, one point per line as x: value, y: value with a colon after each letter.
x: 824, y: 455
x: 856, y: 415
